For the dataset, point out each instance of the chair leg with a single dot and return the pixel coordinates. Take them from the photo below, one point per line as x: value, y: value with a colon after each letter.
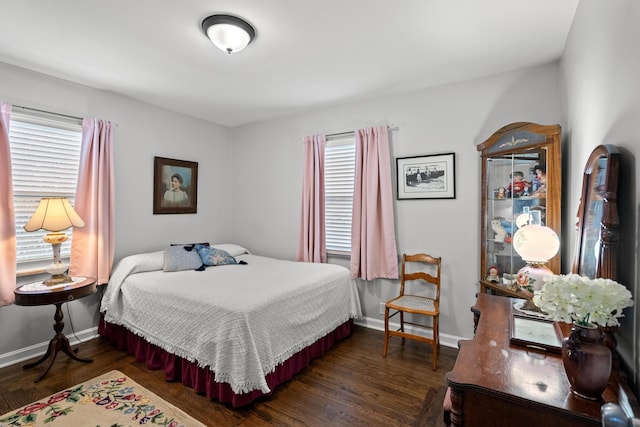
x: 386, y: 332
x: 436, y: 343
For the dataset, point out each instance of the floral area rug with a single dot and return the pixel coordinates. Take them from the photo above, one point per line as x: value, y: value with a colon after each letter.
x: 110, y: 400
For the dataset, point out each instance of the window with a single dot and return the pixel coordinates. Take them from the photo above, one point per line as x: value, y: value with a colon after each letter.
x: 45, y: 153
x: 339, y: 171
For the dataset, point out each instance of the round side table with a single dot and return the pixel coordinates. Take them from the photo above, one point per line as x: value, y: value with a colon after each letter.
x: 37, y: 293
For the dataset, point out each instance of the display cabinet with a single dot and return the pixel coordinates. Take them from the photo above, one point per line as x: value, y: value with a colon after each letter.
x: 521, y: 183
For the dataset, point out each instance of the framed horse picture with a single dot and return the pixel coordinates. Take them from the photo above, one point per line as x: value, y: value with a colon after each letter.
x: 429, y: 176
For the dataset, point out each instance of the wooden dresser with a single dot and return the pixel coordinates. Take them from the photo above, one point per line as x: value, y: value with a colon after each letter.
x: 494, y: 383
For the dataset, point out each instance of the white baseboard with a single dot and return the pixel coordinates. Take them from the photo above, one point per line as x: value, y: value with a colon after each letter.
x: 377, y: 324
x: 36, y: 350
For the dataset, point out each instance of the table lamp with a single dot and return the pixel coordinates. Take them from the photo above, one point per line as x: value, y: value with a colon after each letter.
x: 536, y: 244
x: 55, y: 214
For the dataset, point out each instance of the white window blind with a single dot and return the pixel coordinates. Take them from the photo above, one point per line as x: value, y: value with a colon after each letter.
x: 339, y: 171
x: 45, y: 153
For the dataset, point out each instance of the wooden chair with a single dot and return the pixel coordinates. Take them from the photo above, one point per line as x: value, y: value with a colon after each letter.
x: 416, y: 304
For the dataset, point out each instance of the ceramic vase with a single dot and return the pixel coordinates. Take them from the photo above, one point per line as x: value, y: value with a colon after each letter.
x: 608, y: 336
x: 587, y: 361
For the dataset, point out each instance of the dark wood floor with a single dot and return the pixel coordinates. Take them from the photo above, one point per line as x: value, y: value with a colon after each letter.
x: 350, y: 385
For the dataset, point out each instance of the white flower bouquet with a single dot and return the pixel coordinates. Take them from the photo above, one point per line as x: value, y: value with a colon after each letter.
x: 573, y: 298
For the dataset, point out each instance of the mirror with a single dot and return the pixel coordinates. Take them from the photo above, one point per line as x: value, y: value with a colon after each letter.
x: 597, y: 226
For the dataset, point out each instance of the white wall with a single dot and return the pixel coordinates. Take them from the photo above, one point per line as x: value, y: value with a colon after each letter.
x: 249, y: 190
x: 142, y: 132
x: 249, y: 187
x: 601, y: 69
x: 267, y: 169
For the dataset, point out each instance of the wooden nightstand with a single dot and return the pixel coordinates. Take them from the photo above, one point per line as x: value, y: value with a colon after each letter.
x: 37, y: 293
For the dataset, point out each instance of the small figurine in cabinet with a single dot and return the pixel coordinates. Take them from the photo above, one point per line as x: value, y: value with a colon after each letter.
x: 494, y: 275
x: 496, y: 226
x: 539, y: 181
x: 517, y: 185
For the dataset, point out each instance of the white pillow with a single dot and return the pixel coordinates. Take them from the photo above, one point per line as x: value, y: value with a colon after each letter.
x: 140, y: 263
x: 233, y: 250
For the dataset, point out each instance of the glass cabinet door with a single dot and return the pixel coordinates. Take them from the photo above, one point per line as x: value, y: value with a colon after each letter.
x: 521, y: 182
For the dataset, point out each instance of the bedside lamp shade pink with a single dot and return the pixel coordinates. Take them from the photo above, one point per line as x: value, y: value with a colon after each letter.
x: 536, y: 244
x: 55, y: 214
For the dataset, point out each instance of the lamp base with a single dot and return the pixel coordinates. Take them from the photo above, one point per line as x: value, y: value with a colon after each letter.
x: 57, y: 270
x: 58, y: 276
x: 530, y: 277
x: 57, y: 279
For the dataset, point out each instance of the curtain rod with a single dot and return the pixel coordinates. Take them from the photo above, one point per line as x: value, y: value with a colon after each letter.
x: 48, y: 112
x: 334, y: 135
x: 80, y: 119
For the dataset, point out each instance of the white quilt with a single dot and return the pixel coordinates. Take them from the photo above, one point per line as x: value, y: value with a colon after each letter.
x: 240, y: 321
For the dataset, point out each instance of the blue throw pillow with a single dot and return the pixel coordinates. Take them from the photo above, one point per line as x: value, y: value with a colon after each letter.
x: 178, y: 258
x: 213, y: 256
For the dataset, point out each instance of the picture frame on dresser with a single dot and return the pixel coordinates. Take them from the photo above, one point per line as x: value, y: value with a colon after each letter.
x: 535, y: 333
x: 175, y: 186
x: 429, y: 176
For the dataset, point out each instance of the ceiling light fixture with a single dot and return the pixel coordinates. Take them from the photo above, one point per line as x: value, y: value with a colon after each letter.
x: 229, y: 33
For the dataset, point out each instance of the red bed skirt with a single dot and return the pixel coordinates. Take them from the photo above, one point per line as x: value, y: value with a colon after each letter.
x: 202, y: 379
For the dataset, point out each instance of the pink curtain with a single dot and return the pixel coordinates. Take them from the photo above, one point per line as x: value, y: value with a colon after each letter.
x: 312, y: 244
x: 92, y: 247
x: 7, y: 219
x: 373, y: 237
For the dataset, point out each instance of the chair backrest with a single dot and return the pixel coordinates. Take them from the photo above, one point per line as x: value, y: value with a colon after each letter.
x: 421, y: 275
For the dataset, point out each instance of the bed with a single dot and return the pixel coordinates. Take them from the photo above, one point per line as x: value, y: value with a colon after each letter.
x: 232, y: 331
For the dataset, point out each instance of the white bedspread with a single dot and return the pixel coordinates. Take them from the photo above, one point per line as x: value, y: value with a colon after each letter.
x: 240, y: 321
